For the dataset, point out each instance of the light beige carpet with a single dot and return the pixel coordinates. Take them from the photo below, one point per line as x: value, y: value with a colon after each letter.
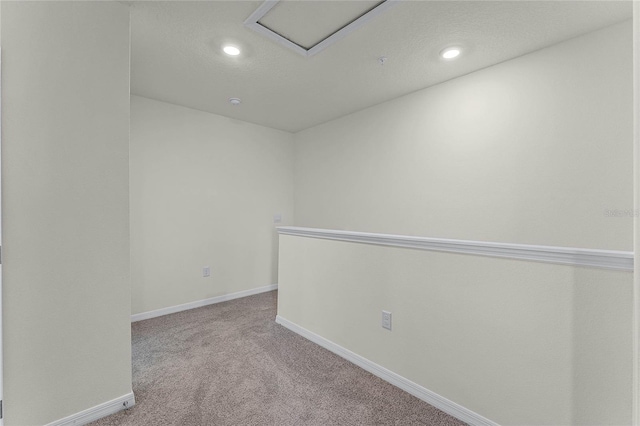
x: 231, y: 364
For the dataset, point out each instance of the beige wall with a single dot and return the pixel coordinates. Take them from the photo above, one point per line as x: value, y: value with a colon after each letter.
x: 65, y: 196
x: 532, y: 150
x: 516, y: 342
x: 636, y: 181
x: 204, y: 190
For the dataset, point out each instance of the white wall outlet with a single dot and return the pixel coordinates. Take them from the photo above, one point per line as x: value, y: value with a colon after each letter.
x: 386, y: 320
x: 277, y: 218
x: 206, y: 271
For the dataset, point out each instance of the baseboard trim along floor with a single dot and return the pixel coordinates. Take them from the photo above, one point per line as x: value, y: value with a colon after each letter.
x: 99, y: 411
x: 200, y: 303
x: 403, y: 383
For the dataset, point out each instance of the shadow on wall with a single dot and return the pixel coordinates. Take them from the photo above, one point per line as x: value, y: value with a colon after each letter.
x: 602, y: 309
x: 275, y: 247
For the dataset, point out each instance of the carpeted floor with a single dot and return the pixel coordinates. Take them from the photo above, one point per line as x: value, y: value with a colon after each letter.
x: 231, y: 364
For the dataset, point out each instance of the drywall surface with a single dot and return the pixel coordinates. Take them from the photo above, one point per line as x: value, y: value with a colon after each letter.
x: 65, y: 201
x: 636, y: 181
x: 514, y: 341
x: 536, y: 150
x: 204, y: 192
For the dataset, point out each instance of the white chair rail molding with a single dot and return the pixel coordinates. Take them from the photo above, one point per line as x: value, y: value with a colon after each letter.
x: 609, y: 259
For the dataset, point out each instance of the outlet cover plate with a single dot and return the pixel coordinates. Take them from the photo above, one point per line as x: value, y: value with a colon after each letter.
x: 386, y: 320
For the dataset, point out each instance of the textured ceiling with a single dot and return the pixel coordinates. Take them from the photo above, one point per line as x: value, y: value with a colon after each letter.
x: 177, y: 58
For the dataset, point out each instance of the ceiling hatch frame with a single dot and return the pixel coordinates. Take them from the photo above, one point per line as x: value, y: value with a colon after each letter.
x: 260, y: 12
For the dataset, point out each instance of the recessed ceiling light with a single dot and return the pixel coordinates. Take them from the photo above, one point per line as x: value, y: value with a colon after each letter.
x: 451, y: 52
x: 231, y: 50
x: 234, y: 101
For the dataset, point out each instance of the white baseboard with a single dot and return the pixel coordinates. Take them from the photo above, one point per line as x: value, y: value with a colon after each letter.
x: 403, y: 383
x: 200, y: 303
x: 99, y: 411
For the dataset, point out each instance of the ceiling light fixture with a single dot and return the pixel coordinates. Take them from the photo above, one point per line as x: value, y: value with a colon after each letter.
x: 231, y: 50
x: 234, y: 101
x: 450, y: 52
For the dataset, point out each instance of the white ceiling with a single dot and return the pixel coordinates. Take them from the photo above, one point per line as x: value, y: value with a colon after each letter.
x: 177, y: 58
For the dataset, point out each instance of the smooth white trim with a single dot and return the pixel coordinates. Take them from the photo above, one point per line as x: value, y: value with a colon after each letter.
x: 608, y: 259
x: 99, y: 411
x: 397, y: 380
x: 200, y: 303
x: 264, y: 8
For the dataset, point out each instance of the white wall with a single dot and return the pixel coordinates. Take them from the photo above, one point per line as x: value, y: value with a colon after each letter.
x: 204, y: 190
x: 636, y: 181
x: 516, y: 342
x: 65, y: 200
x: 532, y: 151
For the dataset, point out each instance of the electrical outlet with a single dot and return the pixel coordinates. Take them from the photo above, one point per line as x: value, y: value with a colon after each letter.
x: 386, y: 320
x: 277, y: 218
x: 206, y: 271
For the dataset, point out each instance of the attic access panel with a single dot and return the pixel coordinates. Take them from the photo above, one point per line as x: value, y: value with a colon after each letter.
x: 336, y: 23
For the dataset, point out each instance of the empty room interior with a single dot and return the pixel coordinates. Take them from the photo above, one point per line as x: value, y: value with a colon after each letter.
x: 320, y: 212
